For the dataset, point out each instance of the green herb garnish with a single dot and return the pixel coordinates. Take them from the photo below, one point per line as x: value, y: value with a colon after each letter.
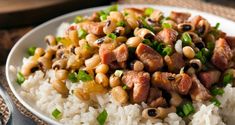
x: 82, y: 33
x: 228, y: 78
x: 147, y: 42
x: 118, y: 73
x: 58, y: 39
x: 103, y: 17
x: 112, y: 36
x: 102, y: 117
x: 78, y: 19
x: 217, y: 91
x: 121, y: 23
x: 210, y: 46
x: 125, y: 87
x: 215, y: 101
x: 217, y: 26
x: 20, y: 78
x: 73, y: 77
x: 166, y: 25
x: 185, y: 109
x: 200, y: 56
x: 56, y: 113
x: 148, y: 11
x: 186, y: 39
x: 31, y: 50
x: 146, y: 25
x: 167, y: 51
x: 83, y: 76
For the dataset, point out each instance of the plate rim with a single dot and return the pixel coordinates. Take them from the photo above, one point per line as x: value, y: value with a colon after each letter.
x: 43, y: 116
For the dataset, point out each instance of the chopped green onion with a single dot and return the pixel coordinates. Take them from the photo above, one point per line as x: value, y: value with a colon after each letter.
x: 20, y: 78
x: 118, y: 73
x: 73, y: 77
x: 148, y: 11
x: 31, y: 50
x: 200, y: 56
x: 166, y: 25
x: 87, y: 46
x: 215, y: 101
x: 103, y: 17
x: 217, y: 26
x: 121, y: 23
x: 210, y: 46
x: 228, y: 78
x: 112, y: 36
x: 164, y: 19
x: 78, y: 19
x: 185, y: 109
x: 147, y: 42
x: 102, y: 117
x: 125, y: 87
x: 125, y: 13
x: 83, y: 76
x: 160, y: 47
x: 112, y: 8
x: 188, y: 109
x: 186, y: 39
x: 56, y: 114
x: 167, y: 50
x: 146, y: 25
x: 82, y: 33
x: 58, y: 39
x: 217, y: 91
x: 206, y: 52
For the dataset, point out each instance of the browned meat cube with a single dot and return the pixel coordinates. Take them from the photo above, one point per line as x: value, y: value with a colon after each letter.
x: 180, y: 83
x: 179, y: 17
x: 174, y: 62
x: 210, y: 77
x: 198, y: 92
x: 152, y: 60
x: 106, y: 53
x: 121, y: 53
x: 167, y: 35
x: 95, y: 28
x: 222, y: 54
x: 139, y: 81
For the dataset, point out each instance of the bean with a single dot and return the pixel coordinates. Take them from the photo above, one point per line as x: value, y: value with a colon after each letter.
x: 188, y: 52
x: 61, y: 74
x: 138, y: 66
x: 78, y: 92
x: 91, y: 38
x: 73, y: 36
x: 92, y: 62
x: 119, y: 94
x: 60, y: 87
x: 102, y: 68
x: 114, y: 81
x: 109, y: 26
x: 102, y: 79
x: 50, y: 40
x: 133, y: 41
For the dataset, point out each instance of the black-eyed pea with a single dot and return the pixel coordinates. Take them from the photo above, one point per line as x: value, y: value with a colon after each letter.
x: 50, y: 40
x: 114, y: 81
x: 102, y: 68
x: 119, y: 94
x: 61, y: 74
x: 134, y: 41
x: 102, y: 79
x: 60, y: 87
x: 78, y: 92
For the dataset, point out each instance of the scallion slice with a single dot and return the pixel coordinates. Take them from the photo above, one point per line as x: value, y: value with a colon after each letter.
x: 103, y: 17
x: 148, y: 11
x: 56, y: 113
x: 82, y: 33
x: 166, y: 25
x: 147, y: 42
x: 167, y: 51
x: 118, y: 73
x: 78, y: 19
x: 31, y: 50
x: 217, y: 26
x: 125, y: 87
x: 121, y: 23
x: 73, y: 77
x: 215, y: 101
x: 102, y: 117
x: 217, y: 91
x: 83, y: 76
x: 186, y: 39
x: 188, y: 108
x: 20, y: 78
x: 228, y: 78
x: 112, y: 36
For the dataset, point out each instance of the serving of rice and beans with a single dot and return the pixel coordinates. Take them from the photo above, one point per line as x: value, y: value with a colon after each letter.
x: 133, y: 67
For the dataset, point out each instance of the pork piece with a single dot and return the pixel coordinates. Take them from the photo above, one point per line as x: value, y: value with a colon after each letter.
x: 174, y: 62
x: 180, y: 83
x: 152, y: 60
x: 231, y: 41
x: 195, y: 20
x: 106, y: 53
x: 179, y: 17
x: 198, y: 92
x: 155, y: 98
x: 167, y: 35
x: 222, y: 54
x: 121, y: 53
x: 209, y: 77
x: 95, y: 28
x: 139, y: 81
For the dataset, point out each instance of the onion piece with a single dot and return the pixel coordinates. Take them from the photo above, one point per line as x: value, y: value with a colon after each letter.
x: 178, y: 46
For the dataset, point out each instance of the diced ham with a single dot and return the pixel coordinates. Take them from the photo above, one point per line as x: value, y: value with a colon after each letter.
x: 180, y: 83
x: 167, y: 35
x: 152, y: 60
x: 95, y: 28
x: 106, y: 53
x: 121, y: 53
x: 179, y: 17
x: 139, y: 81
x: 222, y: 54
x: 209, y: 77
x: 155, y: 98
x: 198, y: 92
x: 174, y: 62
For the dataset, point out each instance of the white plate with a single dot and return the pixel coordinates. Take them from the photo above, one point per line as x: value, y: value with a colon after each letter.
x: 36, y: 36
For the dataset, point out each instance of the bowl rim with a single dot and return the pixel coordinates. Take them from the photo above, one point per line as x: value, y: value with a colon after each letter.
x: 72, y: 14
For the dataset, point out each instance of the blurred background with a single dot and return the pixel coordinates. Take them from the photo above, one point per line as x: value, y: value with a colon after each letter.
x: 17, y: 17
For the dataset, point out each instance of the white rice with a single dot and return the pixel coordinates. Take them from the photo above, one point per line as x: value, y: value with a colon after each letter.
x: 39, y: 92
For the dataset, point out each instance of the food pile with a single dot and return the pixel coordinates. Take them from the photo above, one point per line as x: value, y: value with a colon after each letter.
x: 138, y: 55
